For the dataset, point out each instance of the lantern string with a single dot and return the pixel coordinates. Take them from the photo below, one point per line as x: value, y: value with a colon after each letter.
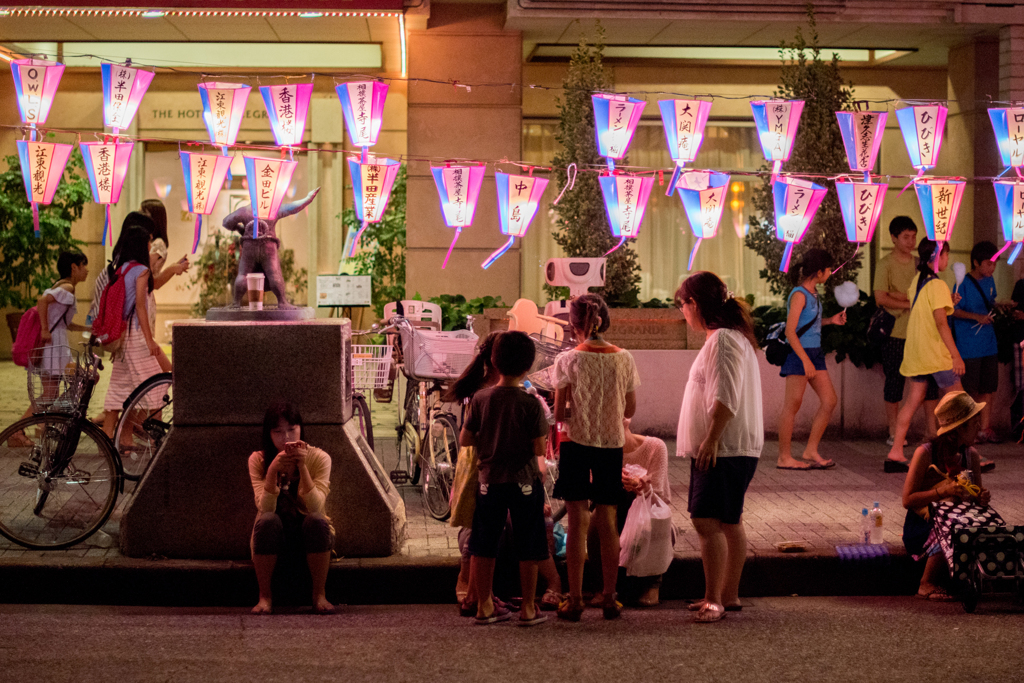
x: 355, y: 240
x: 198, y: 232
x: 498, y: 253
x: 570, y: 181
x: 458, y: 231
x: 693, y: 253
x: 35, y: 218
x: 622, y: 240
x: 853, y: 256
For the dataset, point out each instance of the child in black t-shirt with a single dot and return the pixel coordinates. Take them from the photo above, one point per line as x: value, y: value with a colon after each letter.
x: 508, y: 429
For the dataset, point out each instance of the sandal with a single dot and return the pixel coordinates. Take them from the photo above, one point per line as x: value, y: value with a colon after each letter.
x: 20, y: 440
x: 709, y: 612
x: 569, y: 612
x: 612, y: 608
x: 937, y: 595
x: 549, y: 601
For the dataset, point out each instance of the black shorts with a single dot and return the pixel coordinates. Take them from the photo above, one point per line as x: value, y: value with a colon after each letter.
x: 525, y: 505
x: 718, y: 493
x: 982, y: 375
x: 589, y: 473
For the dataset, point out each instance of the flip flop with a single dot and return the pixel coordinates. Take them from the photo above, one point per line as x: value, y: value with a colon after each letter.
x: 697, y: 604
x: 892, y: 466
x: 827, y: 465
x: 799, y: 469
x: 937, y: 595
x: 549, y: 601
x: 987, y: 465
x: 709, y: 613
x: 539, y: 619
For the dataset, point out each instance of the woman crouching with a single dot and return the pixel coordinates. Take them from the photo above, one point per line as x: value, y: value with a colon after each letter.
x: 291, y: 486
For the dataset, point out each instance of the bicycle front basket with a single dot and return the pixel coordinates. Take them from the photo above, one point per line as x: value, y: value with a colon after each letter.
x: 437, y: 355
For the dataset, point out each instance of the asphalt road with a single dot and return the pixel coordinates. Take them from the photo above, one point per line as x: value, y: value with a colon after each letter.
x: 774, y: 639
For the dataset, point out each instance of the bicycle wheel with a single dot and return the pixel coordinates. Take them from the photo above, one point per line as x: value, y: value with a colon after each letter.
x: 145, y: 421
x: 408, y: 442
x: 438, y: 454
x: 361, y: 411
x: 59, y: 490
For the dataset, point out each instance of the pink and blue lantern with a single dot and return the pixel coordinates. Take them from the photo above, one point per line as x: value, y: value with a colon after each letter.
x: 223, y: 110
x: 362, y: 103
x: 518, y: 198
x: 107, y: 165
x: 1008, y: 125
x: 42, y: 167
x: 204, y: 179
x: 684, y: 122
x: 796, y: 202
x: 123, y: 90
x: 287, y: 107
x: 940, y: 202
x: 372, y: 181
x: 861, y: 205
x: 458, y: 187
x: 777, y: 122
x: 862, y: 137
x: 268, y: 186
x: 1010, y: 198
x: 703, y: 197
x: 922, y: 127
x: 35, y: 84
x: 625, y: 200
x: 615, y: 120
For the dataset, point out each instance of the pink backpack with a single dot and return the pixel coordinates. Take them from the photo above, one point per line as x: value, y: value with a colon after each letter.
x: 30, y: 334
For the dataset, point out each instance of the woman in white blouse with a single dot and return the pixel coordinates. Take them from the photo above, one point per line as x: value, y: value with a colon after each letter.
x: 722, y: 430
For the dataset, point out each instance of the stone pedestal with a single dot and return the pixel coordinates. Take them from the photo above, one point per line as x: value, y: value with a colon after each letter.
x: 197, y: 502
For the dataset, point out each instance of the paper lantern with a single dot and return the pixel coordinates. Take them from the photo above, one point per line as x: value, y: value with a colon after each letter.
x: 372, y: 181
x: 615, y: 119
x: 362, y: 103
x: 940, y: 201
x: 287, y: 107
x: 458, y: 187
x: 518, y: 197
x: 862, y: 137
x: 922, y: 128
x: 861, y: 204
x: 268, y: 185
x: 107, y: 165
x: 625, y: 200
x: 204, y: 179
x: 42, y: 167
x: 703, y: 197
x: 1010, y: 198
x: 796, y: 202
x: 684, y: 122
x: 1008, y: 125
x: 777, y: 122
x: 223, y: 111
x: 35, y: 83
x: 123, y: 90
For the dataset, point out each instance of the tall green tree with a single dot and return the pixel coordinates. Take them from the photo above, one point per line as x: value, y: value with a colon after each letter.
x: 818, y: 149
x: 581, y: 226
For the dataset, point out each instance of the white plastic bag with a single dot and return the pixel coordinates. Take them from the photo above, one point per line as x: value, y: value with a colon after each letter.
x: 647, y: 537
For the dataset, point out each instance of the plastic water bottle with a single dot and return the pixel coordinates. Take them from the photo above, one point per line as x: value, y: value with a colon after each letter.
x: 876, y: 524
x: 865, y: 527
x: 549, y: 417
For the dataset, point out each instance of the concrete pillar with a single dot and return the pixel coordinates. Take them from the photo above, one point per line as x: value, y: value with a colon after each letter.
x: 465, y: 43
x: 1011, y: 63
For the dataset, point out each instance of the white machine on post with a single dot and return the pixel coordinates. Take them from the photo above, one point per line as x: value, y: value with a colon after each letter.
x: 578, y: 274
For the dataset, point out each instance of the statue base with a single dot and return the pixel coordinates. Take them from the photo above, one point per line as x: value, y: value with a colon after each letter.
x: 266, y: 314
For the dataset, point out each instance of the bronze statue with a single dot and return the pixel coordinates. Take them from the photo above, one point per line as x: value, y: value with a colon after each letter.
x: 259, y: 254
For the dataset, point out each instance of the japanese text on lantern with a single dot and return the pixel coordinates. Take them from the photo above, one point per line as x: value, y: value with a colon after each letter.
x: 120, y: 89
x: 104, y: 169
x: 628, y: 188
x: 1015, y: 122
x: 864, y: 127
x: 864, y: 207
x: 795, y: 207
x: 1018, y: 214
x: 42, y: 157
x: 220, y: 116
x: 942, y: 205
x: 619, y: 114
x: 31, y: 91
x: 284, y: 104
x: 779, y: 121
x: 268, y: 178
x: 926, y: 118
x: 455, y: 182
x: 200, y: 183
x: 520, y: 189
x: 711, y: 210
x: 372, y: 191
x: 358, y: 94
x: 684, y: 125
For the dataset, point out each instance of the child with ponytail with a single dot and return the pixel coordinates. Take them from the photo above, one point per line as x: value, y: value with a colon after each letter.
x: 595, y: 386
x: 806, y: 362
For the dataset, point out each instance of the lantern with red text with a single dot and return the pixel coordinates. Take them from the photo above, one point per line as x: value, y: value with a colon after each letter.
x: 107, y: 165
x: 862, y: 137
x: 615, y: 120
x: 518, y: 197
x: 777, y: 122
x: 922, y: 127
x: 287, y: 107
x: 42, y: 166
x: 123, y: 90
x: 223, y: 111
x: 268, y: 186
x: 1010, y: 198
x: 940, y: 202
x: 35, y: 83
x: 362, y: 103
x: 861, y: 205
x: 684, y: 122
x: 703, y: 197
x: 204, y: 178
x: 625, y: 200
x: 372, y: 181
x: 1008, y: 125
x: 458, y: 187
x: 796, y: 202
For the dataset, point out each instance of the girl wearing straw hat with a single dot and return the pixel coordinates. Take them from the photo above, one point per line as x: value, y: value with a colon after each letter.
x: 931, y: 479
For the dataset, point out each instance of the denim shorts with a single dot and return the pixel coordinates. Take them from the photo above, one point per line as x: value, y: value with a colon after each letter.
x: 795, y: 366
x: 944, y: 379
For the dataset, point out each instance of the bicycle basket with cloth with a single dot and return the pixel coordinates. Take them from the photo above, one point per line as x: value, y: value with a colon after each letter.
x: 56, y: 379
x: 436, y: 355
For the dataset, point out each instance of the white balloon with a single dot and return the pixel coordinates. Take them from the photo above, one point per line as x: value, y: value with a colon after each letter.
x: 847, y: 294
x: 959, y: 271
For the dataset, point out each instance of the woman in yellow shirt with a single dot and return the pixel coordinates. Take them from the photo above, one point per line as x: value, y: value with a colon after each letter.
x: 930, y: 355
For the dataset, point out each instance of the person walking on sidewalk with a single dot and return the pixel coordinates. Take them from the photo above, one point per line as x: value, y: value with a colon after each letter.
x: 806, y: 362
x: 893, y: 276
x: 721, y: 428
x: 931, y: 356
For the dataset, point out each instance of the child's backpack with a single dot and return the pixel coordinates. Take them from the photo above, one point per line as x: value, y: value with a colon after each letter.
x: 110, y: 323
x: 30, y: 334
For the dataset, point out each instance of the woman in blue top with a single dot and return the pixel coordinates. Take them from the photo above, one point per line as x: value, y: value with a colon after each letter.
x: 806, y: 362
